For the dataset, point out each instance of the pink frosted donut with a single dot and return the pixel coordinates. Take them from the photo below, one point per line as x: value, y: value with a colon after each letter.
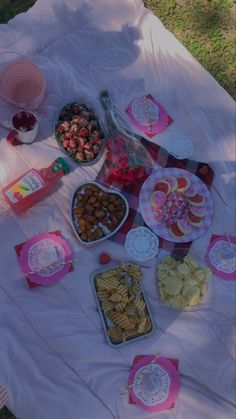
x: 191, y: 191
x: 158, y: 199
x: 172, y: 181
x: 184, y: 226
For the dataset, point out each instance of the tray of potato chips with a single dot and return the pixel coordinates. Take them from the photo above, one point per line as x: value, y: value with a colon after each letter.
x: 184, y: 282
x: 122, y: 305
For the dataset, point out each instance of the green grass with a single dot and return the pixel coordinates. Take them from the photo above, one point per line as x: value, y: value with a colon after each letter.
x: 11, y: 8
x: 5, y: 414
x: 205, y: 27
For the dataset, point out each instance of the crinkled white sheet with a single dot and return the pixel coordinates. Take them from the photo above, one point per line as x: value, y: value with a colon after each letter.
x: 54, y: 358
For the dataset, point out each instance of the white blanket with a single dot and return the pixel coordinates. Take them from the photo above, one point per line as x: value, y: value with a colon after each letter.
x: 55, y: 361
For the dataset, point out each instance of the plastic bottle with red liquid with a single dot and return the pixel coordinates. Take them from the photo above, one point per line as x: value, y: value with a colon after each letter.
x: 32, y: 186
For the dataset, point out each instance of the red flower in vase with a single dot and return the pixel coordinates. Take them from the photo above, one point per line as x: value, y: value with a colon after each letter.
x: 114, y: 147
x: 121, y: 140
x: 122, y: 164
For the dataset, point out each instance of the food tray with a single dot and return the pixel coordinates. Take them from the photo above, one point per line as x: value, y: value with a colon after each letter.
x: 74, y: 221
x: 56, y: 119
x: 207, y: 302
x: 160, y: 228
x: 107, y: 322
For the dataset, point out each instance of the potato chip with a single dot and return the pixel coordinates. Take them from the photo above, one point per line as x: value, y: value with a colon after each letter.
x: 123, y: 267
x: 168, y: 260
x: 190, y: 260
x: 131, y: 310
x: 190, y: 282
x: 162, y: 293
x: 183, y: 269
x: 162, y: 275
x: 182, y: 284
x: 107, y: 305
x: 203, y: 289
x: 164, y: 267
x: 120, y: 307
x: 139, y: 303
x: 199, y: 275
x: 173, y: 286
x: 115, y: 333
x: 176, y: 302
x: 116, y: 297
x: 207, y: 272
x: 191, y: 295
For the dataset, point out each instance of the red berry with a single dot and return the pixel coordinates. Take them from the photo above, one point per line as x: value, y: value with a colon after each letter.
x: 82, y: 133
x: 104, y: 258
x: 73, y: 143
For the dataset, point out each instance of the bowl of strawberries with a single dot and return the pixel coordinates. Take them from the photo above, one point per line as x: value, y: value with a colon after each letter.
x: 79, y: 133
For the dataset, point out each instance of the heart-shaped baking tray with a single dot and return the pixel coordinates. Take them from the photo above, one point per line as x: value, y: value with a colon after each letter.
x: 97, y: 213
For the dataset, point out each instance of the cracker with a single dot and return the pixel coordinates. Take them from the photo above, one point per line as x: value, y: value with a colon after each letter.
x: 121, y: 320
x: 115, y: 334
x: 139, y: 303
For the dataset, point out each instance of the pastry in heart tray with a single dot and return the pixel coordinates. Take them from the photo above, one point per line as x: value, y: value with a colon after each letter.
x: 176, y: 205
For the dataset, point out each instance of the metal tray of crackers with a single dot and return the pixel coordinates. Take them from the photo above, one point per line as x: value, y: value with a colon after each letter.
x: 123, y: 307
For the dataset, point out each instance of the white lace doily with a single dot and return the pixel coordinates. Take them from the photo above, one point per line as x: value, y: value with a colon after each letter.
x: 179, y: 145
x: 141, y: 243
x: 145, y: 111
x: 46, y: 256
x: 222, y: 256
x: 151, y: 384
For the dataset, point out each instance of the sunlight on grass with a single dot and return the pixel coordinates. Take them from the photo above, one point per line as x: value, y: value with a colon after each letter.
x: 5, y: 414
x: 10, y: 8
x: 207, y: 30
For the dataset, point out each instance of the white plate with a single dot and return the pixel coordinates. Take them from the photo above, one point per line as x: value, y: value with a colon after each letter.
x: 160, y: 228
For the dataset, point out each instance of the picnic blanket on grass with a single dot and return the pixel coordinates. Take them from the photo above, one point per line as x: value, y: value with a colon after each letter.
x: 55, y: 362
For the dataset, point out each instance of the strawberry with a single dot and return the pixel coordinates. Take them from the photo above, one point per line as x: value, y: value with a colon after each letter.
x: 104, y: 258
x: 82, y: 133
x: 66, y: 143
x: 73, y: 143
